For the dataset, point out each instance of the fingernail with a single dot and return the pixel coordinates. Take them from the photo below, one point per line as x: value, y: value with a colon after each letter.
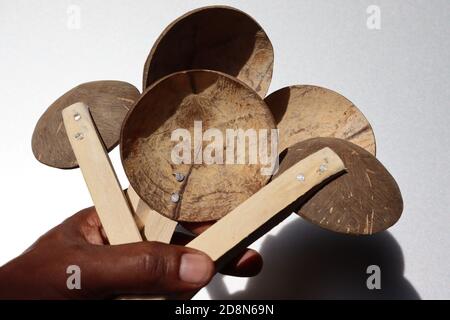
x: 195, y: 268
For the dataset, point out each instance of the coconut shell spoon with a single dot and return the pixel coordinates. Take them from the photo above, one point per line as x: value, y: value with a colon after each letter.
x: 109, y: 101
x: 217, y: 38
x: 364, y: 201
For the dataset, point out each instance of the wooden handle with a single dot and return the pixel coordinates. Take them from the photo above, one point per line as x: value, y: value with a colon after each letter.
x: 107, y: 194
x: 271, y: 201
x: 108, y: 197
x: 156, y: 226
x: 264, y: 205
x: 116, y: 215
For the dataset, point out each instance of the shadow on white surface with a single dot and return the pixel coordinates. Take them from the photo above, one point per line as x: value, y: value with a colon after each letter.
x: 306, y: 262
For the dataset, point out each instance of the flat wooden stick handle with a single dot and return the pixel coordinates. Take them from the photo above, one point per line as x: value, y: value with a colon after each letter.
x: 108, y: 197
x: 264, y: 205
x: 156, y: 227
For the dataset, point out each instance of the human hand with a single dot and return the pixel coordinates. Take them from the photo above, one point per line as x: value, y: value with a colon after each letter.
x: 144, y: 268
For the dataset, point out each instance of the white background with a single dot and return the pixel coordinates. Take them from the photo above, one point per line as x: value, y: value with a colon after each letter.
x: 398, y: 76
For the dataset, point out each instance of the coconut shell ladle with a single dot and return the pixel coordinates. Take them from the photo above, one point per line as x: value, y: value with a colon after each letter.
x: 218, y: 38
x: 364, y: 201
x: 108, y: 101
x: 339, y: 198
x: 267, y: 207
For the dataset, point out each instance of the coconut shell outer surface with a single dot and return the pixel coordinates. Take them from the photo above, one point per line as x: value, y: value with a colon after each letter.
x: 108, y: 101
x: 304, y: 111
x: 363, y: 201
x: 207, y: 191
x: 217, y: 38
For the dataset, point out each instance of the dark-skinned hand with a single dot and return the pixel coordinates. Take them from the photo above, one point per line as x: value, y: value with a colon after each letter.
x: 145, y: 268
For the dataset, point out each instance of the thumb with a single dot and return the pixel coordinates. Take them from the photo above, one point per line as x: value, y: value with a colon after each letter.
x: 150, y: 268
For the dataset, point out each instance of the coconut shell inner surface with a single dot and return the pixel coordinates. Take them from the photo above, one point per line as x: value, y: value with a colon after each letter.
x: 108, y: 101
x: 303, y: 112
x: 364, y: 200
x: 216, y: 38
x: 206, y: 191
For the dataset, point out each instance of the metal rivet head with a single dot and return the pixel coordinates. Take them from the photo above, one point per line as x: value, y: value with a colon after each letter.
x: 179, y: 177
x: 175, y: 197
x: 323, y: 167
x: 77, y: 116
x: 79, y: 136
x: 301, y: 177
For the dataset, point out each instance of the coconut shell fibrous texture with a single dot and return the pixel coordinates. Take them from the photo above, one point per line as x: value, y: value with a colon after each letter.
x: 108, y: 101
x: 217, y: 38
x: 304, y: 111
x: 208, y: 191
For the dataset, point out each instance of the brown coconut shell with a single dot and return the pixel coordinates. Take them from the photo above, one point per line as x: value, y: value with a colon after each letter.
x: 108, y: 101
x: 365, y: 200
x: 216, y: 38
x: 208, y: 191
x: 303, y: 112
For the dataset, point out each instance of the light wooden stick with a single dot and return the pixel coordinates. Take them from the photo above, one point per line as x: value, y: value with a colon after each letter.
x: 156, y: 226
x: 264, y: 205
x: 108, y: 197
x: 268, y: 203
